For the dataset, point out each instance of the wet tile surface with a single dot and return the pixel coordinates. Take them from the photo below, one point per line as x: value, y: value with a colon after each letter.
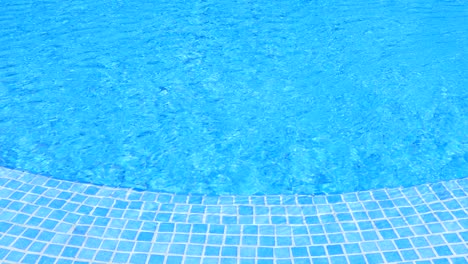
x: 45, y: 220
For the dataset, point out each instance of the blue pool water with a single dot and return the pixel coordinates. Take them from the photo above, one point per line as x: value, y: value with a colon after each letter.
x: 235, y: 97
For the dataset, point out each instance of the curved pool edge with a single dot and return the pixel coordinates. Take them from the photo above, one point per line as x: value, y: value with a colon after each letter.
x: 46, y: 220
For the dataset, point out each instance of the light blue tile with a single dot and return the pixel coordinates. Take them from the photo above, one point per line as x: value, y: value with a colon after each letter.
x: 144, y: 247
x: 409, y: 254
x: 53, y: 249
x: 195, y: 250
x: 319, y: 239
x: 30, y: 259
x: 426, y: 252
x: 215, y: 239
x: 299, y: 252
x: 302, y: 240
x: 332, y: 228
x: 388, y: 234
x: 248, y: 252
x: 109, y: 244
x: 124, y: 257
x: 229, y: 251
x: 250, y: 240
x: 145, y: 236
x: 212, y: 251
x: 344, y: 217
x: 125, y: 246
x: 229, y: 220
x: 312, y: 220
x: 365, y: 225
x: 60, y: 238
x: 159, y: 248
x: 336, y: 238
x: 103, y: 255
x: 281, y: 252
x: 295, y: 220
x: 22, y: 243
x: 369, y: 235
x: 459, y: 260
x: 233, y: 229
x: 376, y: 214
x: 391, y: 213
x: 399, y: 221
x: 443, y: 251
x: 404, y: 232
x: 199, y: 239
x: 232, y: 240
x: 374, y: 258
x: 353, y: 236
x: 70, y: 252
x: 369, y: 247
x: 37, y: 246
x: 181, y: 238
x: 419, y: 242
x: 96, y: 231
x: 267, y: 241
x: 420, y: 230
x: 353, y: 248
x: 435, y: 240
x: 459, y: 249
x: 334, y: 249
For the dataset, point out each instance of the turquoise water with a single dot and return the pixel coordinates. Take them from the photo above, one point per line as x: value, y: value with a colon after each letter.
x: 235, y: 97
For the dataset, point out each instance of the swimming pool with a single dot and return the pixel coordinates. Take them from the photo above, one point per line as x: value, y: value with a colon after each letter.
x: 233, y: 132
x: 242, y: 97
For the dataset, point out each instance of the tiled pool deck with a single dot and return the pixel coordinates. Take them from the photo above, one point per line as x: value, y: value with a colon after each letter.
x: 44, y: 220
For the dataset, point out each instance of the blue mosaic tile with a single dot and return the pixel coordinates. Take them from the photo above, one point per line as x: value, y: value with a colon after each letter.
x: 56, y: 221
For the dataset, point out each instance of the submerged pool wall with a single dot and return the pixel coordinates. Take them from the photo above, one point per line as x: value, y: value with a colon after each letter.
x: 46, y: 220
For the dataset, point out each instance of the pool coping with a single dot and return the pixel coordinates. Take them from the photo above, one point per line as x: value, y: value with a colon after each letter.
x: 47, y: 220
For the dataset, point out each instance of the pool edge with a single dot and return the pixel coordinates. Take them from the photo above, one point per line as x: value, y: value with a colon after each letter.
x: 46, y: 220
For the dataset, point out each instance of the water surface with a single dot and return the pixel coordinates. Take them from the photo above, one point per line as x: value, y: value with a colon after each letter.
x: 238, y: 97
